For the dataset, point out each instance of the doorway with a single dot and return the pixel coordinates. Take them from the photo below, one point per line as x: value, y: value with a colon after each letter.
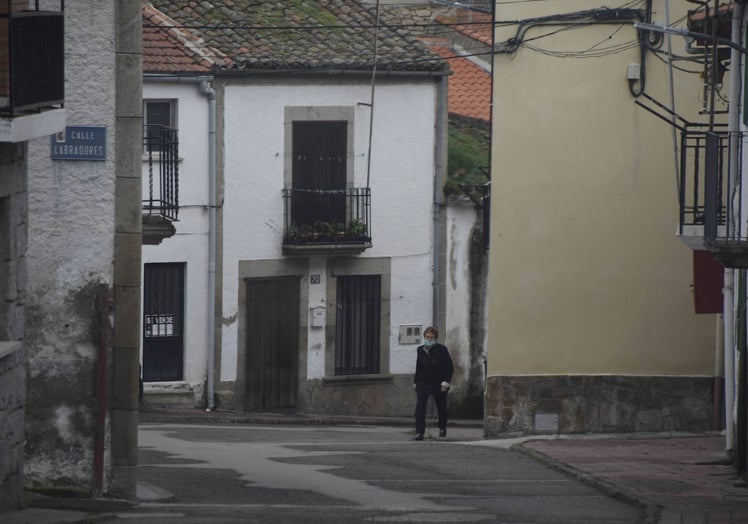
x: 163, y: 314
x: 272, y: 337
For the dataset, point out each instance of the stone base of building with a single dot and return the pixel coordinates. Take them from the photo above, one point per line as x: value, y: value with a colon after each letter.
x: 366, y: 395
x: 13, y: 388
x: 598, y: 404
x: 172, y: 394
x: 362, y: 395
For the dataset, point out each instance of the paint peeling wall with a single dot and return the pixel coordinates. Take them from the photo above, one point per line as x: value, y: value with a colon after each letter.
x: 466, y: 306
x: 70, y: 252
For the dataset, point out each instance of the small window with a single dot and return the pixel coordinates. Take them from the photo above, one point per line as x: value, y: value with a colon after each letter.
x: 158, y: 115
x: 358, y: 324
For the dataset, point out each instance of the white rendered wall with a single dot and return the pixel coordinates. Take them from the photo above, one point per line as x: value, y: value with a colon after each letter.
x: 190, y: 243
x: 401, y: 181
x: 71, y: 219
x: 461, y: 219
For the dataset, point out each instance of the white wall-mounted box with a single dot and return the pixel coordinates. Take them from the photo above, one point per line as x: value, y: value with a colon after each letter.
x: 410, y: 334
x: 317, y: 316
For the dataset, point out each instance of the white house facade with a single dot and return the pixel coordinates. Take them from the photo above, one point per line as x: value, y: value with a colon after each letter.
x: 187, y: 251
x: 310, y: 247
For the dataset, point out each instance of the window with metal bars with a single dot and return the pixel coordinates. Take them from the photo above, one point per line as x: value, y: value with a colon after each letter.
x: 357, y: 327
x: 158, y: 115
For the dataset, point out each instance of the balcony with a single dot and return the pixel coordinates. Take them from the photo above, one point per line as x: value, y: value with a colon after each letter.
x: 711, y: 210
x: 32, y: 72
x: 326, y: 221
x: 160, y: 183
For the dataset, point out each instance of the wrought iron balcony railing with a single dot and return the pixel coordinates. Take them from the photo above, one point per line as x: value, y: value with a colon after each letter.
x: 711, y: 194
x: 161, y: 194
x: 327, y: 217
x: 724, y: 222
x: 710, y: 191
x: 692, y: 184
x: 32, y: 59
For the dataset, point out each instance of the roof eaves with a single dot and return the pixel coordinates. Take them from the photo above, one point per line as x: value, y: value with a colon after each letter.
x: 213, y: 57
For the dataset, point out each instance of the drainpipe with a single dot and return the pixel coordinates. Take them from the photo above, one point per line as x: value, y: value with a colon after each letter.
x: 205, y: 87
x: 207, y: 90
x: 439, y: 209
x: 728, y: 304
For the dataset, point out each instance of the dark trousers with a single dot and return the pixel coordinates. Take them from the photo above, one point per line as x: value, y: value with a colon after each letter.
x: 422, y: 398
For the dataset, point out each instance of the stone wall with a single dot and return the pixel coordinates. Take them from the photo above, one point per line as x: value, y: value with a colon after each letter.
x: 13, y: 227
x: 390, y: 396
x: 597, y: 404
x: 386, y: 396
x: 12, y: 390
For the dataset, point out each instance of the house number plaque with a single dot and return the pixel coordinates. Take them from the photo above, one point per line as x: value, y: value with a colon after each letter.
x: 314, y: 279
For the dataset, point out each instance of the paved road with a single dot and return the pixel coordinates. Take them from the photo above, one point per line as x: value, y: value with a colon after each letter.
x: 331, y: 474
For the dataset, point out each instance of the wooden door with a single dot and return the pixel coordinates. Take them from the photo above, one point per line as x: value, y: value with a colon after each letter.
x: 272, y: 353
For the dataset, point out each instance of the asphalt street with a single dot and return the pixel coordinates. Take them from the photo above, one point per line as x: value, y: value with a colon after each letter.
x: 357, y: 473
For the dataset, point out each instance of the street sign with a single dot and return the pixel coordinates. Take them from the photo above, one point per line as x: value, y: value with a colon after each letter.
x: 80, y: 143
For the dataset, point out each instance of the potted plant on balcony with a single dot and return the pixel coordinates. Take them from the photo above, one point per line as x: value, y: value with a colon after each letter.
x: 356, y: 230
x: 325, y: 230
x: 340, y: 231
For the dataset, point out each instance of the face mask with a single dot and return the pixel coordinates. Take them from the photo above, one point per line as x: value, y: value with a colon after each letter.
x: 428, y: 343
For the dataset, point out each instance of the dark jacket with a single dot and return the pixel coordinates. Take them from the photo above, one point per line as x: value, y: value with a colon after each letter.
x: 433, y: 367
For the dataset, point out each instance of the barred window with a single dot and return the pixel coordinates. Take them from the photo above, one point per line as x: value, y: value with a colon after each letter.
x: 158, y: 115
x: 358, y: 323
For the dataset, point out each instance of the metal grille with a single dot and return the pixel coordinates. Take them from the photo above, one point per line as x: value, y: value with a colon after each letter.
x: 723, y: 209
x: 329, y: 215
x: 357, y: 327
x: 163, y: 311
x: 708, y: 197
x: 162, y: 149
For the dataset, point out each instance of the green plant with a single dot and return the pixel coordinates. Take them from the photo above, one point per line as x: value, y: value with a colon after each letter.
x: 324, y: 228
x: 293, y: 232
x: 357, y: 228
x: 467, y: 154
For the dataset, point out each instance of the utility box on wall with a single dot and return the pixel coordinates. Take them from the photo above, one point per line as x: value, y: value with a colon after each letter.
x: 317, y: 316
x: 410, y: 334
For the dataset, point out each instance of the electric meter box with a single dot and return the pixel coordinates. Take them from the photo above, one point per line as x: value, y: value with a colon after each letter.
x: 410, y: 334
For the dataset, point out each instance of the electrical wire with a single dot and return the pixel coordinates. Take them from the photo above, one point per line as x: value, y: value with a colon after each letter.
x: 438, y: 28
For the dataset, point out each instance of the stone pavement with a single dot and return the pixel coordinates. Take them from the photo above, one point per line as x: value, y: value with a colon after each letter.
x: 678, y: 478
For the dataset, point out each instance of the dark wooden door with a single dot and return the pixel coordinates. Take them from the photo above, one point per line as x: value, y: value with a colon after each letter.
x: 163, y: 311
x: 272, y: 353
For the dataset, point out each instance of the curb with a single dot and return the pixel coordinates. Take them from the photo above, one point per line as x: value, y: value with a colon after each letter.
x: 650, y: 510
x: 196, y: 416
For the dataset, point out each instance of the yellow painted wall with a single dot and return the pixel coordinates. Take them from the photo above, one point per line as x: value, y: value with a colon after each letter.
x: 586, y: 273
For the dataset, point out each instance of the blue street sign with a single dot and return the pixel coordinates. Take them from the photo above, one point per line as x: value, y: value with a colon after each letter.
x: 80, y: 143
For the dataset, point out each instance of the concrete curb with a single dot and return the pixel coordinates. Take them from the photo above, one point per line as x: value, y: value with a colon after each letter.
x: 650, y: 510
x: 197, y: 416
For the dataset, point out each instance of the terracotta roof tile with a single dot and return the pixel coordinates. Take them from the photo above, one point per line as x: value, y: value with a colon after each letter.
x: 469, y: 86
x: 287, y: 35
x: 167, y: 48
